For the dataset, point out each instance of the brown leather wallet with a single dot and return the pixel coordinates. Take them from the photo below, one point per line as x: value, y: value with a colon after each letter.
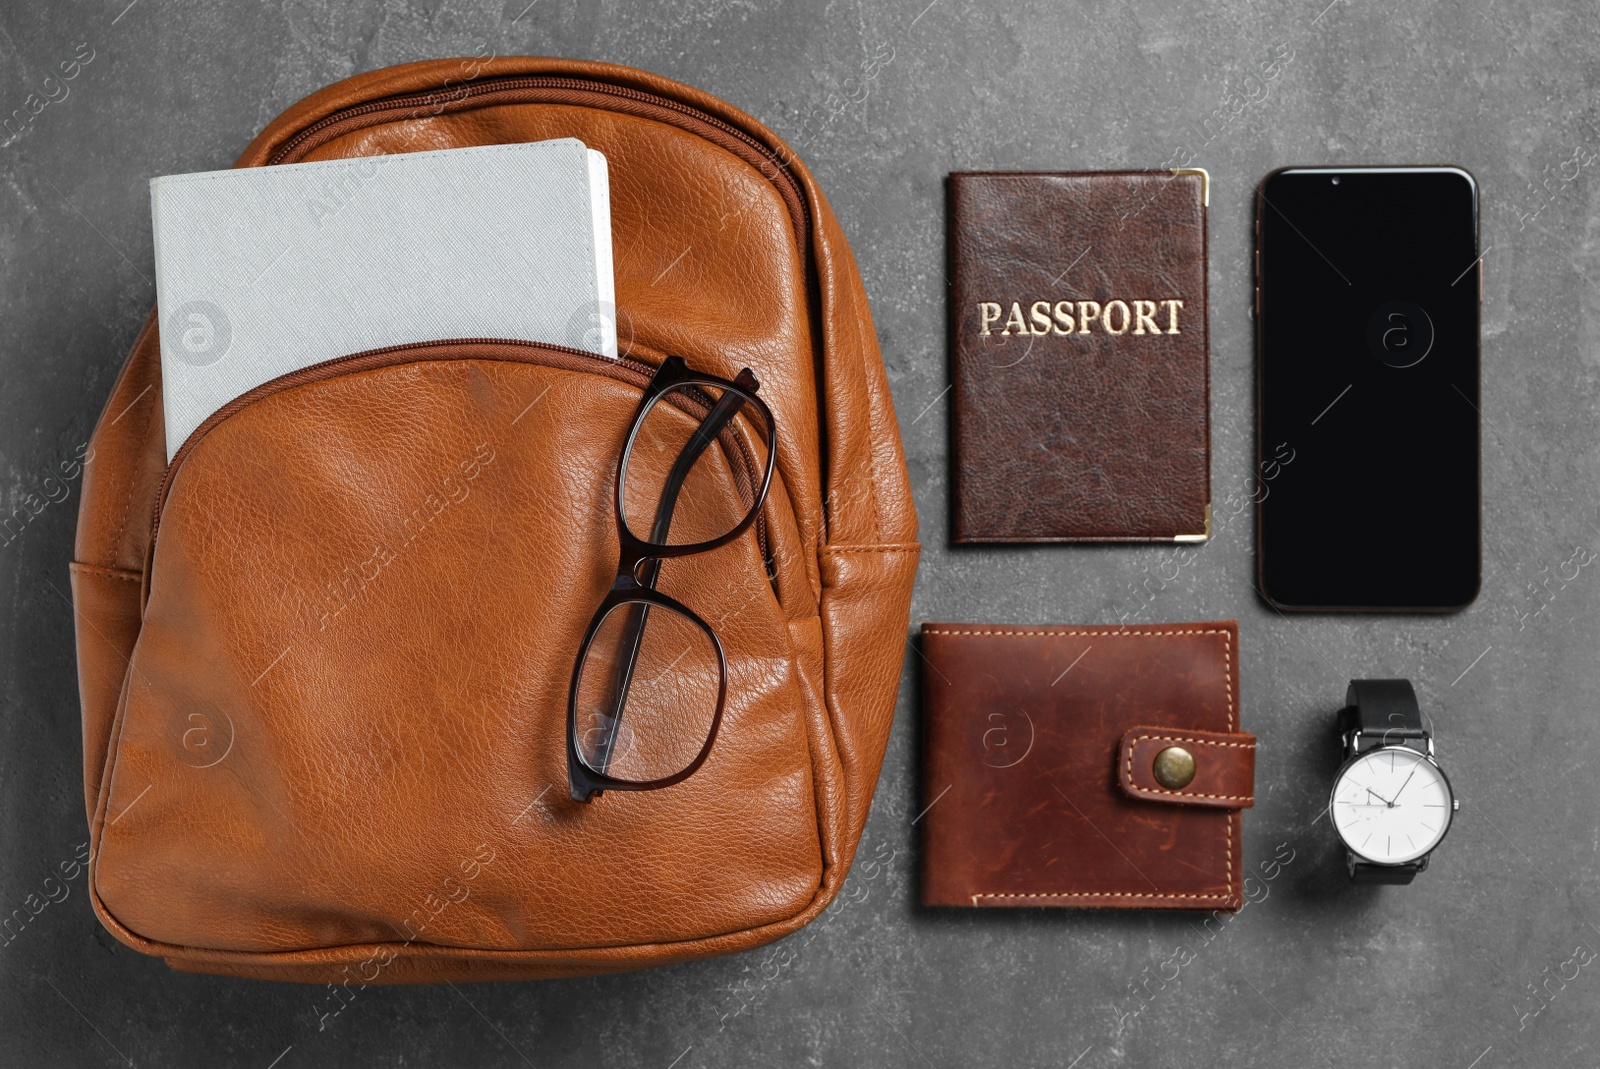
x: 1084, y: 766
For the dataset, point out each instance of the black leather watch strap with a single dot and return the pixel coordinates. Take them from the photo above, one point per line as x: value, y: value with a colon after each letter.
x: 1362, y: 872
x: 1385, y: 711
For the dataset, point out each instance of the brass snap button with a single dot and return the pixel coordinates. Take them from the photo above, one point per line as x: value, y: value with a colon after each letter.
x: 1174, y: 768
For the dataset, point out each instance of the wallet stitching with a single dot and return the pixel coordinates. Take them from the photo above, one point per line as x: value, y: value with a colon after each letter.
x: 1227, y: 673
x: 1185, y: 794
x: 1103, y: 631
x: 1091, y: 894
x: 1227, y: 680
x: 1194, y: 741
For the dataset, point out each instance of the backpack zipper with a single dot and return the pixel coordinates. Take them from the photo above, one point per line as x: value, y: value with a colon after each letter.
x: 625, y: 369
x: 574, y: 91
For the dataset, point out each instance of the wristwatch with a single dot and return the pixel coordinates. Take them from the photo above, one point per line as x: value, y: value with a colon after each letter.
x: 1391, y: 803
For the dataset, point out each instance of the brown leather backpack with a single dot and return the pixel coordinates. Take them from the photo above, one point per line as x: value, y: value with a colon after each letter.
x: 324, y: 708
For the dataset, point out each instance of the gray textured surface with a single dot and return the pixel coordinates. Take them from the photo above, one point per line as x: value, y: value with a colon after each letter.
x: 883, y: 100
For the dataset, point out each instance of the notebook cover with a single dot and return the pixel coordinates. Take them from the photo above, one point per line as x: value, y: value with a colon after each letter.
x: 261, y: 271
x: 1080, y: 356
x: 1039, y: 748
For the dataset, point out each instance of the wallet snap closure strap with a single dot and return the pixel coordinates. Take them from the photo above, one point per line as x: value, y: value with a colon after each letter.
x: 1188, y: 767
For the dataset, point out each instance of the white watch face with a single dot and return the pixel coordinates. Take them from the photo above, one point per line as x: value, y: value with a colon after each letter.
x: 1391, y: 805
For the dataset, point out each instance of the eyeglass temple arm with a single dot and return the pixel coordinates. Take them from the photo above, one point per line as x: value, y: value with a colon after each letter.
x: 718, y: 418
x: 633, y: 634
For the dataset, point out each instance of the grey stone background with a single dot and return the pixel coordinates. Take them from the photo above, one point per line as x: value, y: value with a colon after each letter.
x: 882, y: 99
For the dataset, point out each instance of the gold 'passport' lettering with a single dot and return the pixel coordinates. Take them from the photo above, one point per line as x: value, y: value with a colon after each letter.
x: 1078, y: 317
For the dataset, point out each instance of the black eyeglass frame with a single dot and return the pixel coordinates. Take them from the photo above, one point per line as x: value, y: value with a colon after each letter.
x: 640, y: 562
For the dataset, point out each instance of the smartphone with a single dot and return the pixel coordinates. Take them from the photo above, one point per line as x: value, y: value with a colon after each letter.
x: 1368, y: 287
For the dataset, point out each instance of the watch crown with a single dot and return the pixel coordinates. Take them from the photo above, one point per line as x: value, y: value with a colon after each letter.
x: 1455, y: 805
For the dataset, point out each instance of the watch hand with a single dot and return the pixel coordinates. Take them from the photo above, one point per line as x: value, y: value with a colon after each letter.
x: 1406, y: 784
x: 1379, y: 797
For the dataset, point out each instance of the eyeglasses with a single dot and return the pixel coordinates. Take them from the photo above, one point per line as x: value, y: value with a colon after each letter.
x: 694, y: 472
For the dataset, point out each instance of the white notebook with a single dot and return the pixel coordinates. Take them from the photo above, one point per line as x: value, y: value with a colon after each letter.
x: 264, y: 270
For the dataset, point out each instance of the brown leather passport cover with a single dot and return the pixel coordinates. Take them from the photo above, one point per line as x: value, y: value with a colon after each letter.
x: 1080, y: 356
x: 1038, y: 782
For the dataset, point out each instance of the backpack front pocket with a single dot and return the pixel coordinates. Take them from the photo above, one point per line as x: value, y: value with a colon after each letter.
x: 344, y: 720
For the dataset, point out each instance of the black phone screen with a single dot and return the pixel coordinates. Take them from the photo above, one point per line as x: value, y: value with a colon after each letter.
x: 1367, y: 389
